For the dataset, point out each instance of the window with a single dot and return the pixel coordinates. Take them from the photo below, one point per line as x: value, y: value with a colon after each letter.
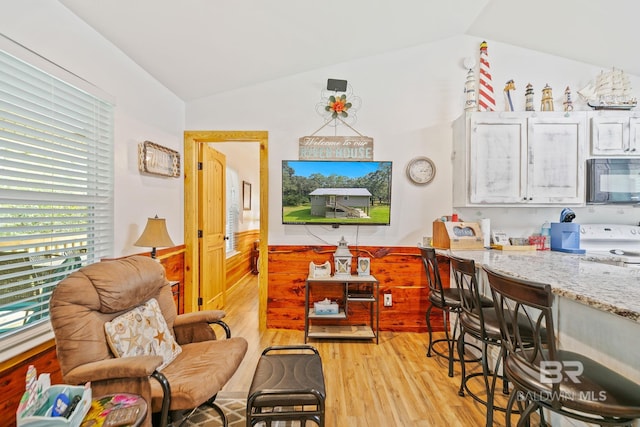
x: 56, y: 191
x: 233, y: 210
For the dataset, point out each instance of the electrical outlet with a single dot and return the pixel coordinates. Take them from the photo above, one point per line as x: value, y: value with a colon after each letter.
x: 387, y: 300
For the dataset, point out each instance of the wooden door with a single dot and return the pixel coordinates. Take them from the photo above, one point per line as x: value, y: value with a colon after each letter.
x: 211, y: 225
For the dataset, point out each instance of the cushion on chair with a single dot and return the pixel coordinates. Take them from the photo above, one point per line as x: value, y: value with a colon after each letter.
x: 142, y: 332
x: 600, y: 390
x: 298, y: 373
x: 211, y: 362
x: 472, y: 325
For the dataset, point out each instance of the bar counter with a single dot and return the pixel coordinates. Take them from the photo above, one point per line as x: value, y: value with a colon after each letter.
x: 578, y: 277
x: 596, y: 305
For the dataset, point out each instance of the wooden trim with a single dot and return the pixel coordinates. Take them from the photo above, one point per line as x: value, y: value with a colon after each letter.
x: 170, y: 252
x: 20, y: 358
x: 160, y: 253
x: 192, y: 139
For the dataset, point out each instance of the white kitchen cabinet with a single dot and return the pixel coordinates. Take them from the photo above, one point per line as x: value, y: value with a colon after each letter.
x: 615, y: 133
x: 497, y: 154
x: 517, y: 159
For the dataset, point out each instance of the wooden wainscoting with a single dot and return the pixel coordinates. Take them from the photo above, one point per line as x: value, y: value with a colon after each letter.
x: 172, y: 260
x: 12, y: 378
x: 239, y: 265
x: 399, y: 270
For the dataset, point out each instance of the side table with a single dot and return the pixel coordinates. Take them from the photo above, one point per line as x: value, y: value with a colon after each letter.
x: 115, y: 404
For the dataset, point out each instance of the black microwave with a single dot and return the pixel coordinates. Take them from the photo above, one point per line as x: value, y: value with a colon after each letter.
x: 613, y: 181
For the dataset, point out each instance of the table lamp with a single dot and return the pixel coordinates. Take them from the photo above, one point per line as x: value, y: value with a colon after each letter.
x: 155, y: 235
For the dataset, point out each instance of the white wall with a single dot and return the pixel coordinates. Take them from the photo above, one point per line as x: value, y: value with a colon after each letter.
x: 144, y: 110
x: 409, y: 100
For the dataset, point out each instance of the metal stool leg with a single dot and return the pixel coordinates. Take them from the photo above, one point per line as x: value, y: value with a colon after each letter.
x: 449, y: 341
x: 462, y: 365
x: 429, y: 330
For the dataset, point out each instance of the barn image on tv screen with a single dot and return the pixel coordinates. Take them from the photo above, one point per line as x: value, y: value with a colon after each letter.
x: 340, y: 202
x: 336, y: 192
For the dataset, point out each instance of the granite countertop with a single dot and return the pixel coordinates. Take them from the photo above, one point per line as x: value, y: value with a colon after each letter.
x: 605, y: 287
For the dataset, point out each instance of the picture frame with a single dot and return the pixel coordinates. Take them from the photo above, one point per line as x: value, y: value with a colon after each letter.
x: 246, y: 196
x: 158, y: 160
x: 364, y: 266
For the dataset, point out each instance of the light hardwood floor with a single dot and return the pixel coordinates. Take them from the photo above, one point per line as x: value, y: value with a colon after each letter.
x: 368, y: 385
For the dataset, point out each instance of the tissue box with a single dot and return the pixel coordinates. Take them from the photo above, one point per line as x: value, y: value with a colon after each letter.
x: 42, y: 417
x: 325, y: 307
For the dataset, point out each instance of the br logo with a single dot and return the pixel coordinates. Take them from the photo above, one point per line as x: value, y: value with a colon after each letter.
x: 553, y: 372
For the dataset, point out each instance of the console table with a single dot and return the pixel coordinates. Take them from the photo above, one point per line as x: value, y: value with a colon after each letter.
x: 355, y: 292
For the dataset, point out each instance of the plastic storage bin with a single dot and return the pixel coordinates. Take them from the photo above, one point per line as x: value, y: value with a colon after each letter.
x: 44, y: 419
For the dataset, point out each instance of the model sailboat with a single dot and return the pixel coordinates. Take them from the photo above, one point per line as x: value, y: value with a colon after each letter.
x: 610, y: 91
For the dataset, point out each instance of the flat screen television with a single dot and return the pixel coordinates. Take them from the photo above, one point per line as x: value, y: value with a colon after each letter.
x: 336, y: 192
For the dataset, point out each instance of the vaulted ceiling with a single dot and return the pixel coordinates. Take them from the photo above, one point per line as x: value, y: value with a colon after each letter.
x: 202, y: 47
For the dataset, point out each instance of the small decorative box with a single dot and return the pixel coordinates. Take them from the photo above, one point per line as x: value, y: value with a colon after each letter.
x: 325, y: 307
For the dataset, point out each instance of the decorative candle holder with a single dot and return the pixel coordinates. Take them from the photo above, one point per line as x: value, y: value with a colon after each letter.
x: 342, y: 259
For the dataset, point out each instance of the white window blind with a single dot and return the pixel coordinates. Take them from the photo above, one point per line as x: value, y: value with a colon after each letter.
x: 233, y: 210
x: 56, y: 189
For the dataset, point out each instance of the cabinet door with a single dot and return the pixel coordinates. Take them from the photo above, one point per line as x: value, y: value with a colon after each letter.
x: 497, y: 168
x: 634, y: 136
x: 609, y: 134
x: 556, y: 160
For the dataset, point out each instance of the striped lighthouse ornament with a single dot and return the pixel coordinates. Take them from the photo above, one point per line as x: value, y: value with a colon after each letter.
x: 486, y: 100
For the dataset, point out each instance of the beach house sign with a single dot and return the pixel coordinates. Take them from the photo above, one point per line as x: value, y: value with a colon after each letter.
x: 335, y: 148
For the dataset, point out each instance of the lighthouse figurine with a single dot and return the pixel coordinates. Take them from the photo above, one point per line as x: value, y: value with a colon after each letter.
x: 470, y: 103
x: 547, y: 99
x: 486, y: 100
x: 568, y: 103
x: 508, y: 88
x: 528, y: 98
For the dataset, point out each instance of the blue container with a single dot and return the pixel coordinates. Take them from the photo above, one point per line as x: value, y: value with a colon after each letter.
x: 565, y: 237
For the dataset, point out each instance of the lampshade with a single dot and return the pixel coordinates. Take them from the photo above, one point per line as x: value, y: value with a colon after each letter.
x: 155, y: 235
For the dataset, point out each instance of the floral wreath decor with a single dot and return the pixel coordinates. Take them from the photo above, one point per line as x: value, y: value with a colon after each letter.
x: 338, y: 106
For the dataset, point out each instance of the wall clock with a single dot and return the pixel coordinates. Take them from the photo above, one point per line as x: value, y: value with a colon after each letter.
x: 421, y: 170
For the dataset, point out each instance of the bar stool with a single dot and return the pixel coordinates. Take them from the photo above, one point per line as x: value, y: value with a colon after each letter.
x: 586, y: 390
x: 478, y: 319
x: 445, y: 299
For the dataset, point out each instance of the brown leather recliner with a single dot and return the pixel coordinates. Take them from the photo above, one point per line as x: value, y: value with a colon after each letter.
x: 83, y: 302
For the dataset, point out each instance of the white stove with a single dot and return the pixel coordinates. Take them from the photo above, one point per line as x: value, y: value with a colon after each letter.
x: 615, y: 243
